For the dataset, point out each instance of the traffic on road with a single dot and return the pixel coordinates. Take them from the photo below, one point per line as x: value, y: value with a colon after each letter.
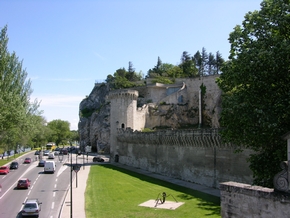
x: 26, y: 190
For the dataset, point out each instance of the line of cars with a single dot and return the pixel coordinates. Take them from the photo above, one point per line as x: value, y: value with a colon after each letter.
x: 23, y: 182
x: 13, y: 166
x: 31, y: 207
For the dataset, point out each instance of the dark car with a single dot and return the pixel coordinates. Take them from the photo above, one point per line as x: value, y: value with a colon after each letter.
x: 57, y: 149
x: 14, y: 165
x: 64, y: 152
x: 41, y: 163
x: 98, y: 159
x: 37, y: 152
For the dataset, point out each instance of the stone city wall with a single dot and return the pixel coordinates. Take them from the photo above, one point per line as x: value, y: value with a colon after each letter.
x: 242, y: 201
x: 197, y: 156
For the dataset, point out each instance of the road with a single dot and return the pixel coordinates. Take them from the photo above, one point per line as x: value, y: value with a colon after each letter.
x: 50, y: 189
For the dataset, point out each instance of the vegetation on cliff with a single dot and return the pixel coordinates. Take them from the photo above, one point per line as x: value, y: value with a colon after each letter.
x: 200, y: 64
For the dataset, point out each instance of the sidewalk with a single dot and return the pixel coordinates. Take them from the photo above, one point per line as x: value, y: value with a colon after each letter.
x: 79, y: 192
x: 78, y: 196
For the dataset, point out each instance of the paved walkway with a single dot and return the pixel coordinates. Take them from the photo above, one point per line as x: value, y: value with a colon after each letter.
x: 78, y: 197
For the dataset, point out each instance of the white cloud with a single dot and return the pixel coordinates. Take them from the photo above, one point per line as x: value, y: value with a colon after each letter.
x: 63, y: 107
x: 60, y: 100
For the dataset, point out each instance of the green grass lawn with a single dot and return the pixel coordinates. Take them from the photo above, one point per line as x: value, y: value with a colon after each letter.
x: 114, y: 192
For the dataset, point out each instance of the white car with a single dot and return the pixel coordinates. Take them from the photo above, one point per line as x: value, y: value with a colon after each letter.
x: 31, y: 208
x: 49, y: 167
x: 45, y: 153
x: 51, y: 156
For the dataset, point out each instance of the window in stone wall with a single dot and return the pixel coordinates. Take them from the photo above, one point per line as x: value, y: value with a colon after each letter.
x: 123, y: 126
x: 180, y: 99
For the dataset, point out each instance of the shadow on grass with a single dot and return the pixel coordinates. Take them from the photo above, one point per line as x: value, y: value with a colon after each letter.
x: 208, y: 202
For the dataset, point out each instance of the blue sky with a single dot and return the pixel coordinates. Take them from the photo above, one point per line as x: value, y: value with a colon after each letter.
x: 68, y: 45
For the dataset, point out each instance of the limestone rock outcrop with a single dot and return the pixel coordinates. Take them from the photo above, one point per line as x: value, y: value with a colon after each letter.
x: 94, y: 125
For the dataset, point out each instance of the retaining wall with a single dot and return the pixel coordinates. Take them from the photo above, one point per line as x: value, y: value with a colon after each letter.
x: 243, y: 201
x: 196, y: 156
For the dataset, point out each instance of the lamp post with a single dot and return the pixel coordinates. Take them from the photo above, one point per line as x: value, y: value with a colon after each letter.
x: 71, y: 169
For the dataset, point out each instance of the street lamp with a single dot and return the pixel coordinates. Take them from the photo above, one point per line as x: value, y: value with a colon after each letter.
x: 71, y: 169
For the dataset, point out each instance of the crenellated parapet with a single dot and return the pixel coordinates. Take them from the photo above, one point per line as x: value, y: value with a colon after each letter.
x: 128, y: 94
x: 203, y: 138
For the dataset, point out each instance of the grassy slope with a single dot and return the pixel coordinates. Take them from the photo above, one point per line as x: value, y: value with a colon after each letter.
x: 116, y: 192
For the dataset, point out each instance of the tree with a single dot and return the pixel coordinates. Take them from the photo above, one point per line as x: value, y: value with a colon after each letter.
x: 210, y: 63
x: 204, y: 61
x: 131, y: 74
x: 59, y: 131
x: 219, y: 61
x: 17, y: 111
x: 255, y: 83
x: 188, y: 65
x: 74, y: 135
x: 197, y: 60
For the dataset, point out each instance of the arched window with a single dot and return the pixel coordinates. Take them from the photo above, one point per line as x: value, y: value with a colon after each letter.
x: 123, y: 126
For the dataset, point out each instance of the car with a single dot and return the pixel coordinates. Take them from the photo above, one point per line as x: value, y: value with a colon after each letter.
x: 49, y: 167
x: 63, y: 151
x: 46, y: 152
x: 27, y: 160
x: 14, y: 165
x: 23, y: 183
x: 98, y: 159
x: 41, y: 163
x: 56, y: 153
x: 4, y: 170
x: 57, y: 149
x: 51, y: 155
x: 31, y: 207
x: 37, y: 152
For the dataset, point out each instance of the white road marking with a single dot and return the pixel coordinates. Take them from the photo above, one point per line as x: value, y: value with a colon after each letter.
x: 52, y: 205
x: 13, y: 185
x: 62, y: 168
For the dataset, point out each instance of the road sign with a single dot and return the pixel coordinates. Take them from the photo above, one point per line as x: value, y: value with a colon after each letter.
x: 76, y: 168
x: 88, y: 149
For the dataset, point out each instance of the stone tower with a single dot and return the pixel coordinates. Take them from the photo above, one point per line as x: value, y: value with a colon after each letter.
x: 123, y: 114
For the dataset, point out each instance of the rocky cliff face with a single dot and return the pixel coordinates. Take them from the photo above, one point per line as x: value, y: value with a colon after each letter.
x: 94, y: 126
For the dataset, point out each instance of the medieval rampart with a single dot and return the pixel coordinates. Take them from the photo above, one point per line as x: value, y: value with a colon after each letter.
x: 198, y: 156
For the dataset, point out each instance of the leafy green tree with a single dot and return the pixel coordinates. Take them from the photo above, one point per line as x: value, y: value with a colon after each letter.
x: 40, y: 133
x: 124, y: 79
x: 59, y: 131
x: 255, y: 83
x: 74, y: 135
x: 16, y: 108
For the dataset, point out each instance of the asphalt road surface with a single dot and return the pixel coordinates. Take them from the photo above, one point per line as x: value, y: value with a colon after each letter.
x: 50, y: 189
